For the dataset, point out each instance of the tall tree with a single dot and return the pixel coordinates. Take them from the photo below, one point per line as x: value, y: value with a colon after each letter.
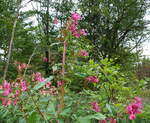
x: 16, y: 37
x: 48, y: 12
x: 115, y: 27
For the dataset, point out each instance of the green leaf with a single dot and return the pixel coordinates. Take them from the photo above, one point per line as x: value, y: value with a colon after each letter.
x: 22, y: 120
x: 87, y: 119
x: 109, y: 108
x: 83, y: 120
x: 54, y: 44
x: 51, y: 109
x: 80, y: 74
x: 5, y: 114
x: 98, y: 116
x: 45, y: 99
x: 54, y: 68
x: 65, y: 112
x: 41, y: 84
x: 60, y: 121
x: 32, y: 118
x: 1, y: 91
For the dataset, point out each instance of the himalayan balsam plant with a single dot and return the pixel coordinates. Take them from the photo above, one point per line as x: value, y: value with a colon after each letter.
x: 85, y: 91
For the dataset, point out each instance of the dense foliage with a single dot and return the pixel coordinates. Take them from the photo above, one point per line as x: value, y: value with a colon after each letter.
x: 71, y: 67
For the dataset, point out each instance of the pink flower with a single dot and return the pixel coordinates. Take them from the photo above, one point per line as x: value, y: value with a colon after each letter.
x: 134, y: 108
x: 55, y: 21
x: 75, y: 16
x: 16, y: 85
x: 38, y: 77
x: 112, y: 120
x: 24, y: 66
x: 95, y: 106
x: 138, y: 99
x: 92, y: 79
x: 83, y: 32
x: 15, y: 102
x: 102, y: 121
x: 21, y: 67
x: 132, y: 117
x: 48, y: 85
x: 60, y: 83
x: 73, y: 27
x: 23, y: 86
x: 6, y: 102
x: 7, y: 88
x: 45, y: 59
x: 76, y: 34
x: 83, y: 53
x: 17, y: 93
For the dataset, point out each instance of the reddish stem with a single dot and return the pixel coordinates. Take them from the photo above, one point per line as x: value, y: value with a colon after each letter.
x: 63, y: 73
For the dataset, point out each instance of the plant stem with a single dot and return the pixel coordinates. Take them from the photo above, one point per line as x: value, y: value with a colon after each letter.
x: 29, y: 61
x: 38, y: 109
x: 12, y: 38
x: 63, y: 74
x: 10, y: 47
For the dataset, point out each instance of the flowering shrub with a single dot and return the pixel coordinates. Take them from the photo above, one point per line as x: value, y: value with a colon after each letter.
x: 38, y: 77
x: 7, y: 88
x: 134, y: 108
x: 74, y: 24
x: 95, y: 106
x: 86, y: 91
x: 93, y: 79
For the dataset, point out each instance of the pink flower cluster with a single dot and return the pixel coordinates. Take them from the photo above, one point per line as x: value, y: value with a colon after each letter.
x: 83, y: 53
x: 95, y: 106
x: 92, y: 79
x: 23, y: 86
x: 17, y: 92
x: 112, y: 120
x: 60, y: 83
x: 13, y: 98
x: 102, y: 121
x: 55, y: 21
x: 7, y: 88
x: 22, y: 66
x: 75, y: 17
x: 134, y: 108
x: 38, y: 77
x: 45, y: 59
x: 48, y: 85
x: 6, y: 102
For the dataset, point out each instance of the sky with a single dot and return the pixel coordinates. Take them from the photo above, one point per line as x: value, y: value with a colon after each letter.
x: 146, y: 45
